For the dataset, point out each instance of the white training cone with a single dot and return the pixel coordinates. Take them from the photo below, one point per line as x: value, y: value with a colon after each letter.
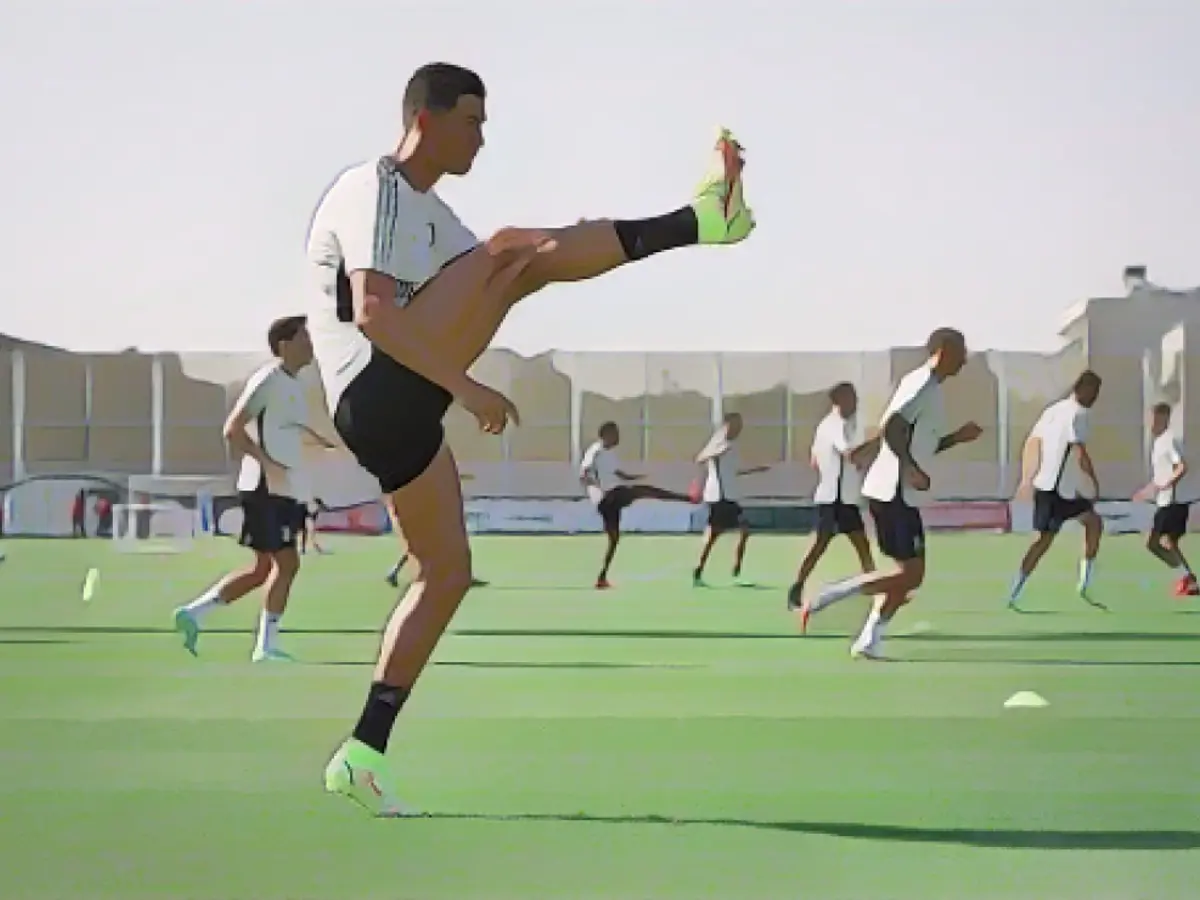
x: 1026, y: 700
x: 89, y: 584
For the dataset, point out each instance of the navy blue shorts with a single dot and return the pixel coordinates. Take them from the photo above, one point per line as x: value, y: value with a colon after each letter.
x: 838, y: 518
x: 899, y: 531
x: 1051, y: 511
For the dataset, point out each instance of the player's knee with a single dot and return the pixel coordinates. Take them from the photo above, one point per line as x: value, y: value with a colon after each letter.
x: 448, y: 573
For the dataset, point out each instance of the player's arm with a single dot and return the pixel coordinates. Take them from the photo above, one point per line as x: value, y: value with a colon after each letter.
x: 1079, y: 439
x: 249, y: 406
x: 587, y: 470
x: 964, y: 434
x: 717, y: 446
x: 897, y: 437
x: 1031, y: 460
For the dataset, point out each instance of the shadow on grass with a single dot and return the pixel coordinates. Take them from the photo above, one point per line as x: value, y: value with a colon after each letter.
x: 35, y: 641
x: 1089, y: 663
x: 1033, y: 839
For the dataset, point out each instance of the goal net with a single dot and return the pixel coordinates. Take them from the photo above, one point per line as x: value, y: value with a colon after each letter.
x: 164, y: 513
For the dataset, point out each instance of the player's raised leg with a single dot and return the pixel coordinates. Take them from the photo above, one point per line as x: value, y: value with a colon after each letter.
x: 430, y: 511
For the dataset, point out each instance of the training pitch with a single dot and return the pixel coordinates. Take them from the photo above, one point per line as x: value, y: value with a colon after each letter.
x: 654, y: 741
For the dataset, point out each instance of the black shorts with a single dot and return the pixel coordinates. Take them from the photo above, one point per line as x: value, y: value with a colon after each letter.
x: 268, y: 522
x: 391, y: 420
x: 724, y: 515
x: 1051, y: 511
x: 303, y: 514
x: 838, y: 518
x: 611, y: 505
x: 1171, y: 521
x: 899, y: 531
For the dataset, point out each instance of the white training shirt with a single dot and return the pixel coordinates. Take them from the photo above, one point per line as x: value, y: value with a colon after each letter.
x: 721, y: 470
x: 600, y: 465
x: 277, y: 407
x: 840, y: 481
x: 1165, y: 454
x: 918, y: 401
x: 1061, y: 427
x: 371, y: 219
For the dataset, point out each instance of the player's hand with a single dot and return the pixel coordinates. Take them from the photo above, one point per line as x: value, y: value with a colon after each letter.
x: 519, y: 240
x: 1025, y: 490
x: 917, y: 479
x: 1143, y: 494
x: 491, y: 409
x: 968, y: 432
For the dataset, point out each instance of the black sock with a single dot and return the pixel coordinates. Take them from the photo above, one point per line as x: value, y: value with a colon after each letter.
x: 645, y: 237
x: 379, y: 715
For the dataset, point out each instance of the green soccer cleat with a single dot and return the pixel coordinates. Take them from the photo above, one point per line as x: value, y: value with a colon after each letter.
x: 360, y: 774
x: 721, y: 211
x: 188, y: 628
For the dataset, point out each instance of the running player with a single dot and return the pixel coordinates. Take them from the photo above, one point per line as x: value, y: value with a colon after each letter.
x: 407, y: 299
x: 839, y: 453
x: 1057, y: 471
x: 722, y: 468
x: 274, y: 401
x: 913, y: 430
x: 307, y: 525
x: 601, y: 475
x: 1167, y: 469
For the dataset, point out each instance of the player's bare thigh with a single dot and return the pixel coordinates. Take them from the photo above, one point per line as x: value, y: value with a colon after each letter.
x: 429, y: 513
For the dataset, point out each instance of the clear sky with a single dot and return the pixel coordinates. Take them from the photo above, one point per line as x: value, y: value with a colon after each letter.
x: 912, y: 163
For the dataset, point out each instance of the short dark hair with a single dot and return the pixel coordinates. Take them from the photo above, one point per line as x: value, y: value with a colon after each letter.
x: 941, y: 338
x: 1161, y: 409
x: 438, y: 86
x: 1087, y: 379
x: 839, y: 389
x: 607, y: 426
x: 284, y: 329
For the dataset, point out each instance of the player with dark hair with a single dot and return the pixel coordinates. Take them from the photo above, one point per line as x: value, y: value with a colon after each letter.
x: 913, y: 430
x: 405, y: 299
x: 839, y: 453
x: 722, y: 467
x: 1057, y: 471
x: 601, y: 475
x: 274, y: 402
x: 1167, y: 469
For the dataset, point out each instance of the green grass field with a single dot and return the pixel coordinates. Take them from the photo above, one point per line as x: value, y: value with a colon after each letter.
x: 653, y: 742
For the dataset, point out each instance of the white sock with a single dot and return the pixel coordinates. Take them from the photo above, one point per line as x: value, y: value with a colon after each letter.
x: 840, y: 590
x: 268, y: 630
x: 204, y: 604
x: 1085, y: 573
x: 872, y: 630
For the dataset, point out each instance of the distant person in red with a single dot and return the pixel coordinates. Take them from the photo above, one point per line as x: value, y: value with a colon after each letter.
x: 78, y: 529
x: 103, y: 510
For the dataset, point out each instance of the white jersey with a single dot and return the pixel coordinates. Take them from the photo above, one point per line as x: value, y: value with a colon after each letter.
x: 721, y: 469
x: 371, y: 219
x: 1061, y: 427
x: 840, y: 481
x: 599, y: 466
x: 918, y: 401
x: 277, y: 406
x: 1165, y: 454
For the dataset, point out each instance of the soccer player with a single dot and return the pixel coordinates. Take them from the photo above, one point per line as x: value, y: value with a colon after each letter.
x: 601, y: 475
x: 913, y: 430
x: 405, y: 300
x: 1057, y: 471
x: 722, y: 468
x: 274, y: 401
x: 1167, y: 469
x: 306, y: 524
x: 839, y: 453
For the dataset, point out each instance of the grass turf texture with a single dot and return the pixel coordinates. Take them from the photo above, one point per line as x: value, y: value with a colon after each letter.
x: 651, y: 742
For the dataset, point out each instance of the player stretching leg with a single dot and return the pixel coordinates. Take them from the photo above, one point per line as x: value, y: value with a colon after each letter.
x: 912, y: 432
x: 839, y: 451
x: 1167, y: 468
x: 1055, y: 468
x: 274, y: 400
x: 406, y: 300
x: 600, y: 472
x: 722, y: 465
